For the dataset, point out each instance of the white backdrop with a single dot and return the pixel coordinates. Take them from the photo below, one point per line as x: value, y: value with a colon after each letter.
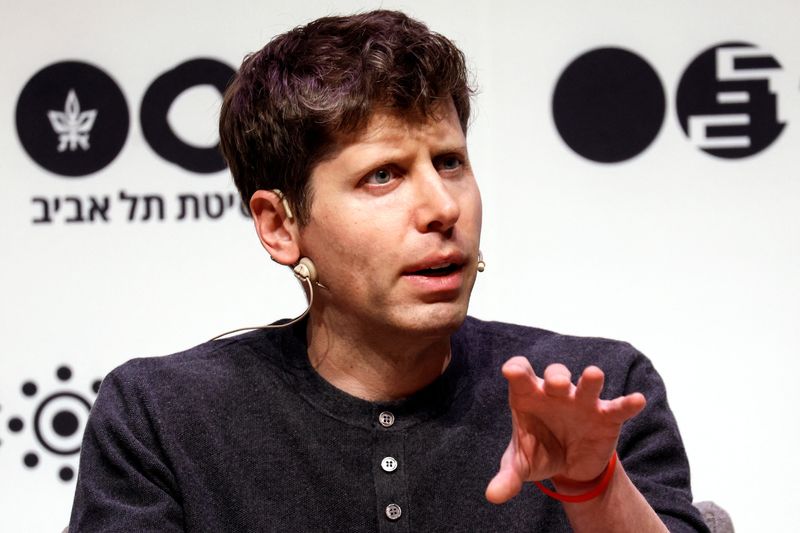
x: 695, y: 259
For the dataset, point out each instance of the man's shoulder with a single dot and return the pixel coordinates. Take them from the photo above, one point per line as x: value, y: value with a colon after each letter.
x: 543, y: 346
x: 205, y: 367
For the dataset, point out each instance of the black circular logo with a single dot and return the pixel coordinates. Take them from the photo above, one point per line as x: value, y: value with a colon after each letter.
x: 155, y: 107
x: 609, y: 105
x: 58, y: 422
x: 726, y: 101
x: 72, y: 118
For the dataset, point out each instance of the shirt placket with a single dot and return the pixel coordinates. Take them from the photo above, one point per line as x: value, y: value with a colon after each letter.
x: 389, y: 473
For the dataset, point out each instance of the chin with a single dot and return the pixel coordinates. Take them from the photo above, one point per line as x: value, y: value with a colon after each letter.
x: 435, y: 320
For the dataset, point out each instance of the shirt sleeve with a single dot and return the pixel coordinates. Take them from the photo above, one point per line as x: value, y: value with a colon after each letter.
x: 124, y: 480
x: 651, y: 449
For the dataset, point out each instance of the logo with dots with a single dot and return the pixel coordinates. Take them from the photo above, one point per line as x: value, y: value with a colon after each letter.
x: 56, y: 422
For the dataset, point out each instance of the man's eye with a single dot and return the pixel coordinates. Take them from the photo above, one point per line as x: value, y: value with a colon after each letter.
x: 450, y: 163
x: 381, y: 176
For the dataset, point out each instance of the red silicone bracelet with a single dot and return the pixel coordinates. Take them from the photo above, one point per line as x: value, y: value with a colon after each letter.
x: 586, y: 496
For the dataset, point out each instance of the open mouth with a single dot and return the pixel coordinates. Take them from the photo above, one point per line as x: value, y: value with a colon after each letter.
x: 437, y: 271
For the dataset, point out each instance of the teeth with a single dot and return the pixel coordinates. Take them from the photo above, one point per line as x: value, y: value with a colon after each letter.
x: 440, y: 267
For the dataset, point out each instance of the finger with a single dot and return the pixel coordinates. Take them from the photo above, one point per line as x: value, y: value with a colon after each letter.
x: 557, y: 381
x: 625, y: 407
x: 521, y: 379
x: 504, y: 485
x: 590, y: 386
x: 508, y: 481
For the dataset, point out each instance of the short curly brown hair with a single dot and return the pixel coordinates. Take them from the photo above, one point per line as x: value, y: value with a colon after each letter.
x: 289, y: 101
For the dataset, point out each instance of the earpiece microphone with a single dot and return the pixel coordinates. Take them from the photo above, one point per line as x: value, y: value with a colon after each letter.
x: 285, y: 202
x: 306, y: 272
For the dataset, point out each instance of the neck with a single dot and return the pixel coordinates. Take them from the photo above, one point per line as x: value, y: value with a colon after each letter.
x: 375, y: 365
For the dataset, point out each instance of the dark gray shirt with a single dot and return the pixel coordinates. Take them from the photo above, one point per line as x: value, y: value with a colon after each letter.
x: 241, y: 434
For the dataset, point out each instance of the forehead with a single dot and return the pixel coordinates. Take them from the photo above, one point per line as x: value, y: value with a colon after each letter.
x: 390, y: 130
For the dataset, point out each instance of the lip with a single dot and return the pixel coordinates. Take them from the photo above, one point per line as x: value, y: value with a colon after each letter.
x: 436, y: 260
x: 439, y: 285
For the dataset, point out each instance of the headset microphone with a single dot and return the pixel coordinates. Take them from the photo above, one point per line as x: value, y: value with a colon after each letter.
x: 306, y: 272
x: 285, y: 202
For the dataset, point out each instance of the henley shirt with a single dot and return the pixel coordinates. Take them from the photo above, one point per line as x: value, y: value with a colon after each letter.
x: 242, y: 434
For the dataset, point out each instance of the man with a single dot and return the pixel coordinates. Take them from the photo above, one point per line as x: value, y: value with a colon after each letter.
x: 386, y: 408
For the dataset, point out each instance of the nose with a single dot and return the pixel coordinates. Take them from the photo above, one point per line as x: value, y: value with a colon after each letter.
x: 437, y: 207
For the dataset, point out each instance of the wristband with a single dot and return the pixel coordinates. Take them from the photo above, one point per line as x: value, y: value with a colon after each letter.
x: 586, y: 496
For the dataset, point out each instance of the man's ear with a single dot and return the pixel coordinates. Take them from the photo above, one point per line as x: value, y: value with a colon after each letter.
x: 276, y: 230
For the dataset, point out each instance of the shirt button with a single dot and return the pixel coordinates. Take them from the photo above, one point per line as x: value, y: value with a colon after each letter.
x: 393, y: 511
x: 386, y: 419
x: 389, y: 464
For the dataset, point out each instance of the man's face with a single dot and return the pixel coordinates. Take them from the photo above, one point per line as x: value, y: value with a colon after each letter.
x: 394, y: 227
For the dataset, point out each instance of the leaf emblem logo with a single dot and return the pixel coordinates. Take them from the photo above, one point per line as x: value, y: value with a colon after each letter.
x: 72, y: 125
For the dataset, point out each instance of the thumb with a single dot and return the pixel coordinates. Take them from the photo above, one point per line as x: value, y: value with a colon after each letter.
x: 504, y: 485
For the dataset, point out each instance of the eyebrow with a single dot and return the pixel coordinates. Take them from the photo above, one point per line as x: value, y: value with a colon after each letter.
x: 461, y: 148
x: 392, y: 158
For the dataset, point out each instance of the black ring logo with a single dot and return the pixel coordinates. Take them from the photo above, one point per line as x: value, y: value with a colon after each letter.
x: 157, y: 101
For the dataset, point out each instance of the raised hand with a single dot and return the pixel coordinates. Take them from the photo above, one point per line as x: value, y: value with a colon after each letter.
x: 560, y: 431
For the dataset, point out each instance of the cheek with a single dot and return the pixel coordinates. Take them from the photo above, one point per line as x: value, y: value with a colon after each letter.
x: 473, y: 211
x: 478, y: 208
x: 346, y: 250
